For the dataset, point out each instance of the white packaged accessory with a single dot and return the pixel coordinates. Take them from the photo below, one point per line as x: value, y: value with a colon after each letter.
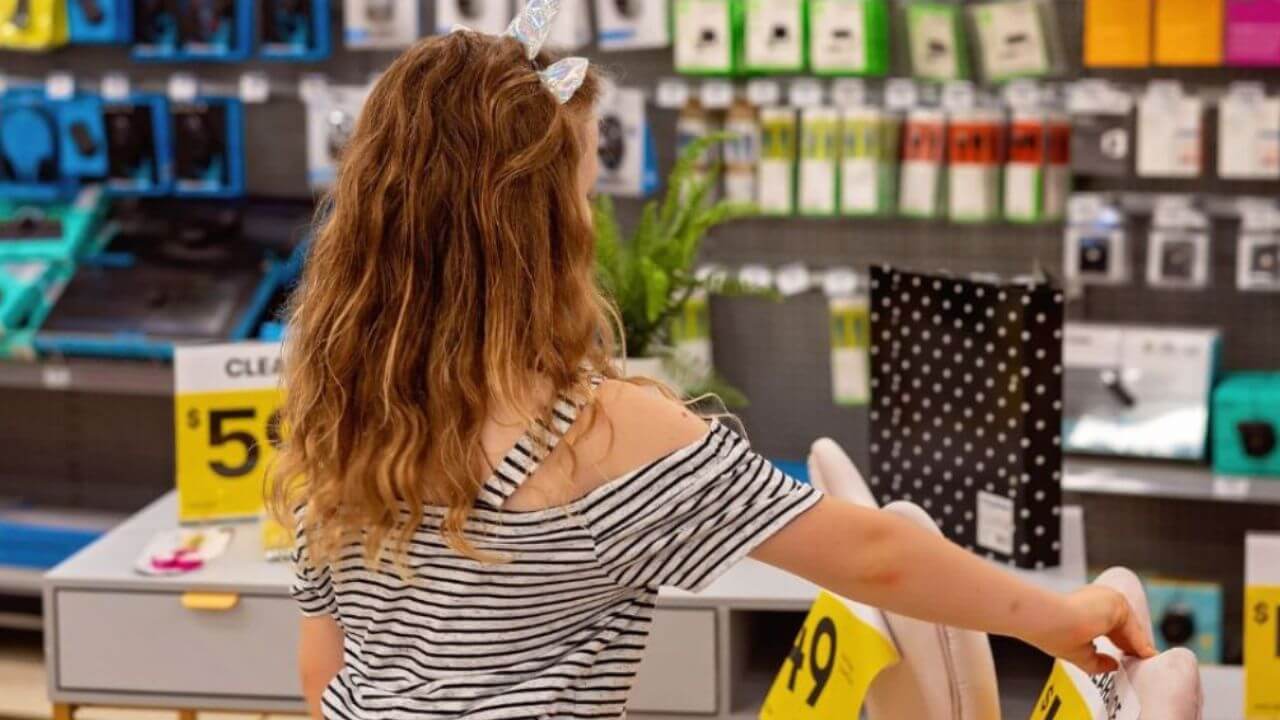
x: 819, y: 160
x: 1178, y: 246
x: 1096, y: 243
x: 774, y: 36
x: 632, y: 24
x: 704, y: 36
x: 483, y: 16
x: 331, y: 117
x: 627, y: 163
x: 775, y: 179
x: 380, y: 24
x: 1170, y: 132
x: 1248, y: 134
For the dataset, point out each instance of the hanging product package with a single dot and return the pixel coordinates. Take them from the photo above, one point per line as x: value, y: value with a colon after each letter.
x: 1248, y: 134
x: 1170, y: 132
x: 705, y: 32
x: 632, y: 24
x: 1024, y: 170
x: 156, y: 33
x: 741, y: 152
x: 975, y: 146
x: 215, y: 30
x: 1013, y: 39
x: 966, y: 409
x: 208, y: 141
x: 33, y: 24
x: 49, y: 147
x: 1178, y: 245
x: 484, y: 16
x: 935, y: 39
x: 819, y: 161
x: 139, y: 145
x: 1101, y: 129
x: 1096, y: 243
x: 383, y: 24
x: 331, y: 118
x: 850, y: 343
x: 776, y: 178
x: 51, y: 231
x: 923, y: 153
x: 1188, y: 32
x: 100, y: 22
x: 628, y: 161
x: 849, y: 37
x: 1258, y: 249
x: 1253, y: 32
x: 868, y: 162
x: 1117, y: 33
x: 572, y: 28
x: 294, y: 29
x: 774, y: 36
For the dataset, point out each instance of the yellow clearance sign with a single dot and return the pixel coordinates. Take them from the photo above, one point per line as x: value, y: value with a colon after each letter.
x: 226, y: 426
x: 835, y: 658
x: 1262, y: 652
x: 1061, y: 698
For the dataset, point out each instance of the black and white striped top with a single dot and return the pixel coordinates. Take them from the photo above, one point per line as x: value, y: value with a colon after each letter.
x: 559, y: 630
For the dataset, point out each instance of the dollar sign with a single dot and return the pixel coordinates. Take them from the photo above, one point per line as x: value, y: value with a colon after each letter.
x: 193, y: 418
x: 1260, y: 613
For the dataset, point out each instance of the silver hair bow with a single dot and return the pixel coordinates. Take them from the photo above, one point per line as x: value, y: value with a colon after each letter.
x: 531, y: 27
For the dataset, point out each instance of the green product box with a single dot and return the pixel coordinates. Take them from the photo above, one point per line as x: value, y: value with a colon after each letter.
x: 936, y: 41
x: 849, y: 37
x: 707, y: 36
x: 1246, y: 425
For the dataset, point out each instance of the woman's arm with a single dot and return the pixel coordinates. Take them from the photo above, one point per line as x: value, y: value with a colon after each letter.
x: 885, y: 561
x: 319, y: 658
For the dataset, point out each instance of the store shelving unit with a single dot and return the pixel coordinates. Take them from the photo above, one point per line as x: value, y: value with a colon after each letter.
x: 123, y: 377
x: 1166, y: 480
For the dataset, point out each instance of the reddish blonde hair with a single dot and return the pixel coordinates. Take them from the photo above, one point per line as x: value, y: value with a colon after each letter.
x: 451, y: 271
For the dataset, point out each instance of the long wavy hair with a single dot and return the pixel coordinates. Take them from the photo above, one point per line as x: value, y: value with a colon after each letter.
x: 451, y: 270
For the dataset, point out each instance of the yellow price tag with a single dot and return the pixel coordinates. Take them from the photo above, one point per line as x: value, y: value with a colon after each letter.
x: 826, y: 675
x: 1061, y: 699
x: 226, y: 426
x: 1262, y: 652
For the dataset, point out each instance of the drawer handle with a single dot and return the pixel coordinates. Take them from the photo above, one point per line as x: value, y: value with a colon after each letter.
x: 210, y: 602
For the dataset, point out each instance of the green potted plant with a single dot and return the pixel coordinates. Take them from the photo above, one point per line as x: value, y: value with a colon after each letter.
x: 651, y: 277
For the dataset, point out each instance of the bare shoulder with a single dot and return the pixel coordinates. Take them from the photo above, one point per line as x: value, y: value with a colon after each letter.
x: 627, y: 426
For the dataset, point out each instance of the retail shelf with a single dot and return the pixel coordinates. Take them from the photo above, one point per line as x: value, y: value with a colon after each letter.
x: 20, y: 581
x: 21, y: 621
x: 1165, y: 480
x: 121, y: 377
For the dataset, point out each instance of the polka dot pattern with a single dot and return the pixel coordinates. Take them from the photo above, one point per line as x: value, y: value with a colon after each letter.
x: 966, y: 397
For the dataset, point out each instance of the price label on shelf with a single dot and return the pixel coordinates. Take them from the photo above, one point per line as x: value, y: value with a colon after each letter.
x: 226, y: 428
x: 672, y: 93
x: 805, y: 93
x: 60, y: 86
x: 115, y: 86
x: 1262, y: 625
x: 848, y: 92
x: 255, y: 87
x: 958, y: 95
x: 716, y: 94
x: 183, y: 87
x: 841, y: 648
x: 764, y: 93
x: 900, y: 94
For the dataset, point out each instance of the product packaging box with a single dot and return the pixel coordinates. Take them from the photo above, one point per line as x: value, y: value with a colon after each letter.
x: 848, y: 37
x: 819, y: 161
x: 1138, y: 391
x: 1117, y: 33
x: 1188, y: 32
x: 1246, y: 425
x: 1253, y: 32
x: 966, y: 409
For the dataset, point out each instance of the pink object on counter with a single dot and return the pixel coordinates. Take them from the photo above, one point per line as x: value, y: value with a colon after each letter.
x: 1253, y: 32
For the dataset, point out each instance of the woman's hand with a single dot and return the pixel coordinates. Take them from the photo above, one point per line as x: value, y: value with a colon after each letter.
x: 1092, y: 612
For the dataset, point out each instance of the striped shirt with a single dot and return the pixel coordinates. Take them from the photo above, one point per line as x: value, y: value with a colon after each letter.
x: 559, y: 630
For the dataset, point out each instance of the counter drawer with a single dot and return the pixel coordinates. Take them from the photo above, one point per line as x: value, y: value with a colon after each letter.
x: 679, y: 672
x: 140, y: 642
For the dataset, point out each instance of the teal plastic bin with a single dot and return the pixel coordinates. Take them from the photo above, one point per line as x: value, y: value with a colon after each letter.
x: 1246, y: 425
